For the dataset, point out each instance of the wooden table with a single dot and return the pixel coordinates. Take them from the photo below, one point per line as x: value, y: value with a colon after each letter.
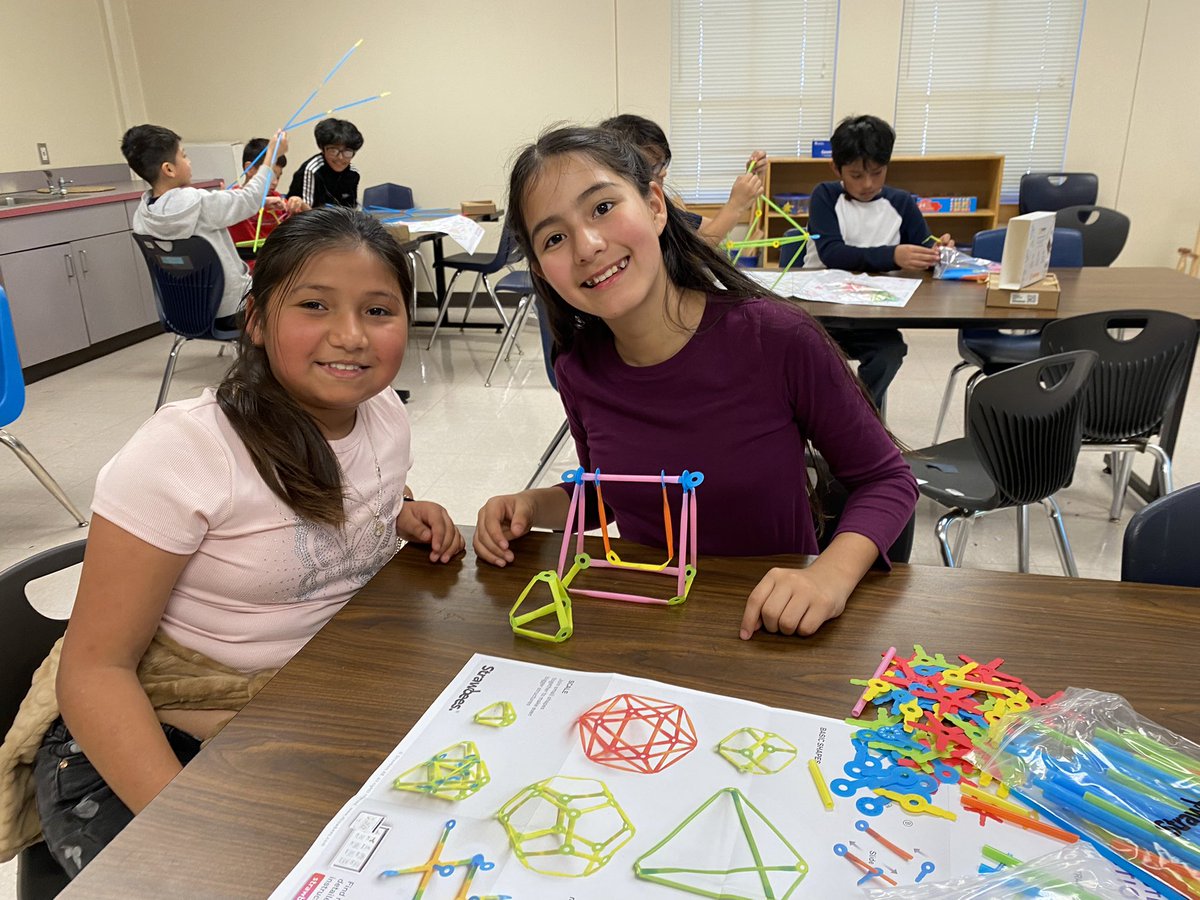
x: 244, y: 811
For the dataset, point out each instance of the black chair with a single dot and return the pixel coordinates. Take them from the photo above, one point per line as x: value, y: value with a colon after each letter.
x: 1104, y: 231
x: 26, y: 637
x: 1024, y: 428
x: 992, y: 350
x: 188, y: 285
x: 519, y: 282
x: 1144, y: 357
x: 1052, y: 191
x: 482, y: 265
x: 564, y: 430
x: 388, y: 196
x: 1160, y: 542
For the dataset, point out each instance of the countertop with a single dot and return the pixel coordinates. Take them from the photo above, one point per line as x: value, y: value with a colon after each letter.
x: 122, y: 191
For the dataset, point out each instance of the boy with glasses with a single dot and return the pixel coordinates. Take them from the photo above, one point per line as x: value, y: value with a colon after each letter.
x: 328, y: 179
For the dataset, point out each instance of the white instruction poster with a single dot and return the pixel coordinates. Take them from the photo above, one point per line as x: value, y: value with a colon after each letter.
x: 536, y: 783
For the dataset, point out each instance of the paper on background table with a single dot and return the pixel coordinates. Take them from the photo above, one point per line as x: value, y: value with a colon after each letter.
x: 383, y: 828
x: 837, y: 286
x: 463, y: 231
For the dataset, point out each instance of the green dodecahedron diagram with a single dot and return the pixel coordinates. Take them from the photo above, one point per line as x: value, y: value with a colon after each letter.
x: 570, y: 827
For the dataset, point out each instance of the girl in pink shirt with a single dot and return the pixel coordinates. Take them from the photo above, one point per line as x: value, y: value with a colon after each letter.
x: 232, y: 527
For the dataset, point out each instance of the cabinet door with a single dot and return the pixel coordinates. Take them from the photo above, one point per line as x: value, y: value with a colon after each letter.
x: 46, y: 310
x: 108, y: 283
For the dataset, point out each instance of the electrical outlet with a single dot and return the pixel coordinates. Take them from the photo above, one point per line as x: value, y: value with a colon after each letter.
x: 44, y: 154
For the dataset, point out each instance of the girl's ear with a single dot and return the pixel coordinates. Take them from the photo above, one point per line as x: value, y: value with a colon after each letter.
x: 657, y: 201
x: 253, y: 322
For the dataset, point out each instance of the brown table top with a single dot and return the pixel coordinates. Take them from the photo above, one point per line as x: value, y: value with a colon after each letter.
x: 241, y: 815
x: 959, y: 304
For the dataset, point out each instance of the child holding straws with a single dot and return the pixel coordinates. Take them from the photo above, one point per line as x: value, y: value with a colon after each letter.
x: 209, y: 566
x: 243, y: 232
x: 172, y: 209
x: 671, y: 359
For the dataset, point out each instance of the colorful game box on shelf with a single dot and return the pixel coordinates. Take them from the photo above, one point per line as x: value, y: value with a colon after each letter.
x: 822, y: 149
x: 947, y: 204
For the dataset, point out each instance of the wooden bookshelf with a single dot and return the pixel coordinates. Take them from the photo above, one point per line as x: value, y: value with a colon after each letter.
x: 976, y: 176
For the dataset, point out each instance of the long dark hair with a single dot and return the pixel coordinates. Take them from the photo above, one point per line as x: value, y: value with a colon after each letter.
x: 288, y: 449
x: 691, y: 262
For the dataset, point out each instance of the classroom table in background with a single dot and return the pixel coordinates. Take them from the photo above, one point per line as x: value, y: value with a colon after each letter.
x: 241, y: 815
x: 959, y: 304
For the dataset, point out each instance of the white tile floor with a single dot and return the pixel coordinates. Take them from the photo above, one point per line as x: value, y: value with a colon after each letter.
x: 471, y: 441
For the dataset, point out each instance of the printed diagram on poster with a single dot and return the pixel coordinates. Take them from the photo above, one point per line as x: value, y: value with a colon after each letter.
x: 526, y: 781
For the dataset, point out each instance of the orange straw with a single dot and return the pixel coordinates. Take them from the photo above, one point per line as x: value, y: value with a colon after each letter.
x: 1019, y: 819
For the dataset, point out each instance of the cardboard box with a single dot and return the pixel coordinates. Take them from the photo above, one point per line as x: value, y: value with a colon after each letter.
x: 479, y: 207
x: 947, y: 204
x: 1041, y: 295
x: 399, y: 231
x: 822, y: 150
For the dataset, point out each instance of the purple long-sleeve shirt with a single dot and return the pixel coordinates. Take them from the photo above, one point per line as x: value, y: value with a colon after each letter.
x: 736, y: 403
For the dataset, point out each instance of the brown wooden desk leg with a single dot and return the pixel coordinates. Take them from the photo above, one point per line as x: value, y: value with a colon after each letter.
x: 1166, y: 439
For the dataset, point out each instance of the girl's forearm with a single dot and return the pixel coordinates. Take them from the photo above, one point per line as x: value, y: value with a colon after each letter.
x: 110, y: 717
x: 846, y: 560
x: 550, y: 507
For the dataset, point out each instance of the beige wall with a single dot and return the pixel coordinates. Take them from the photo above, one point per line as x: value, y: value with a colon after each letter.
x: 472, y: 80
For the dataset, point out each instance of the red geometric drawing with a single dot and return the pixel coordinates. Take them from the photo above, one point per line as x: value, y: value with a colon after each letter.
x: 636, y: 734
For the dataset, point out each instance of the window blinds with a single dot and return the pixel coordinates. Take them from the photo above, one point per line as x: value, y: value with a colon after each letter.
x: 746, y: 76
x: 983, y: 77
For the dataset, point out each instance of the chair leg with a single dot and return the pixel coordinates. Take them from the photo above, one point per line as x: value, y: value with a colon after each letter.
x: 510, y: 338
x: 942, y: 530
x: 442, y: 308
x: 524, y: 308
x: 1165, y: 473
x: 960, y: 539
x: 552, y: 450
x: 1122, y: 466
x: 1023, y: 538
x: 946, y: 395
x: 471, y: 299
x: 1065, y: 556
x: 180, y: 340
x: 40, y: 473
x: 495, y: 301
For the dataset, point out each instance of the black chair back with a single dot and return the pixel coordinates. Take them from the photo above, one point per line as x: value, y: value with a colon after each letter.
x: 1104, y: 231
x: 188, y: 284
x: 26, y: 636
x: 1052, y: 191
x: 1026, y: 424
x: 1160, y: 542
x: 1135, y: 380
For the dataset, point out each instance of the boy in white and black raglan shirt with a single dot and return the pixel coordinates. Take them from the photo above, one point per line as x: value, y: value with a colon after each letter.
x: 328, y: 179
x: 865, y: 226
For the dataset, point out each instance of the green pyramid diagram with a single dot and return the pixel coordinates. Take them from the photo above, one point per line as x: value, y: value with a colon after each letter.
x: 727, y: 849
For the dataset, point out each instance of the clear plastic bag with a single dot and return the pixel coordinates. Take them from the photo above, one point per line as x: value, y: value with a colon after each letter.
x: 1090, y: 763
x: 1076, y: 872
x: 954, y: 265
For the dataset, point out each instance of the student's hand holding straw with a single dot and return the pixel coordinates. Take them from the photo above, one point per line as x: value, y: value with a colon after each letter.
x: 297, y: 205
x: 423, y: 522
x: 278, y: 148
x: 749, y: 186
x: 916, y: 256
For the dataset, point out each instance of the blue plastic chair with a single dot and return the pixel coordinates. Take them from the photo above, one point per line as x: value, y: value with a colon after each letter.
x: 188, y: 284
x: 1160, y: 542
x: 388, y: 196
x: 482, y: 265
x: 993, y: 350
x: 12, y: 402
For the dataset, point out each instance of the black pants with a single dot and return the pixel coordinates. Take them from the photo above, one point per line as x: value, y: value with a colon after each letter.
x: 879, y: 352
x: 79, y: 811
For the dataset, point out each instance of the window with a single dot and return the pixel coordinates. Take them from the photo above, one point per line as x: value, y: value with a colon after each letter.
x: 746, y: 76
x: 984, y: 77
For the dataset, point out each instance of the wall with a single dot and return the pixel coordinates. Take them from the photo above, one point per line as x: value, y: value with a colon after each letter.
x: 472, y: 80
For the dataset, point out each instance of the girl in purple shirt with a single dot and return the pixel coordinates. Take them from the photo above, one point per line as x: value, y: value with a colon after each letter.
x: 669, y: 359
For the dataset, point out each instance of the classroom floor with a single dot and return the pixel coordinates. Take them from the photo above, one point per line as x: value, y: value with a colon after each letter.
x: 472, y: 441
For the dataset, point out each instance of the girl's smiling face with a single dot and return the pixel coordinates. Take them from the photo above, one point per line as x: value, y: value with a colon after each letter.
x: 595, y: 238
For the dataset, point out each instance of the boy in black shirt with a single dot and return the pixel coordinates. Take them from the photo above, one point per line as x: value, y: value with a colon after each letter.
x: 328, y: 178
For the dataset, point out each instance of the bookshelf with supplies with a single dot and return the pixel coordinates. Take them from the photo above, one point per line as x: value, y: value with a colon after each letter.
x: 962, y: 191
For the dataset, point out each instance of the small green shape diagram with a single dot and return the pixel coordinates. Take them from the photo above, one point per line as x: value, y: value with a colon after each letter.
x: 763, y: 865
x: 452, y: 774
x: 565, y: 826
x: 500, y: 714
x: 756, y: 752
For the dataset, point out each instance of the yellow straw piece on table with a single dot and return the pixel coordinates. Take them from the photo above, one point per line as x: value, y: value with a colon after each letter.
x: 819, y: 780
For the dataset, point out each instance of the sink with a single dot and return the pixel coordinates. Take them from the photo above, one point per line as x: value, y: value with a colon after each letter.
x: 25, y: 199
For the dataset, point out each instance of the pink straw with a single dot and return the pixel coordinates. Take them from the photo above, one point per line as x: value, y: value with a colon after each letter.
x: 883, y: 666
x: 566, y: 541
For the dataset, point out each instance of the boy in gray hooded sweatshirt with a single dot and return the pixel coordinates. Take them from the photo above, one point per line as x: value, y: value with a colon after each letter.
x: 172, y: 209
